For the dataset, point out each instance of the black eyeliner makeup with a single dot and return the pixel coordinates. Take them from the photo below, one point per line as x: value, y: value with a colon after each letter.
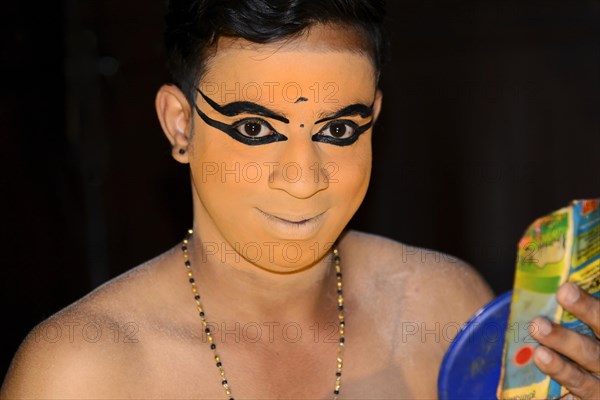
x: 353, y: 109
x: 242, y: 107
x: 231, y: 130
x: 359, y: 130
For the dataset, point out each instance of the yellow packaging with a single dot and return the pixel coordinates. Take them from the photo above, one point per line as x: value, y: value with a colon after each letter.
x: 562, y: 246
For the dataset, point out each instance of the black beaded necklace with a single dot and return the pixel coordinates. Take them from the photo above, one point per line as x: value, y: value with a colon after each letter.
x: 211, y: 340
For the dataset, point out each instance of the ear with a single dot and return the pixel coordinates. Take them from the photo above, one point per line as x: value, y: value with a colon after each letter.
x: 377, y: 104
x: 174, y: 114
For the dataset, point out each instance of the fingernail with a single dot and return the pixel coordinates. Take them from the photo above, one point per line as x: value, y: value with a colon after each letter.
x: 571, y: 293
x: 544, y: 326
x: 543, y: 355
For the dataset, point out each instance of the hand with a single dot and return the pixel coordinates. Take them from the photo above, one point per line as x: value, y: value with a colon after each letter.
x: 581, y: 376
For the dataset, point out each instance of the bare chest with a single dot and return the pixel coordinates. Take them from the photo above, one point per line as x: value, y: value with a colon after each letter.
x: 304, y: 366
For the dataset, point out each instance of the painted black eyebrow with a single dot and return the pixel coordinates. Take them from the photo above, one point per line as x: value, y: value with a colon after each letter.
x: 241, y: 107
x: 353, y: 109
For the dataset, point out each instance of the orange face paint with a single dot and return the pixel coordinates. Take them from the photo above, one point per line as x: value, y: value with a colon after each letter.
x: 281, y: 204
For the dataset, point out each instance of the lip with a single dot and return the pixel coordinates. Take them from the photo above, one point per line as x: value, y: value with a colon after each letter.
x: 290, y: 226
x: 292, y: 219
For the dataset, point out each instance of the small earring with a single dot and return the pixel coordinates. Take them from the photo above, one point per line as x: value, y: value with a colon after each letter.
x: 182, y: 151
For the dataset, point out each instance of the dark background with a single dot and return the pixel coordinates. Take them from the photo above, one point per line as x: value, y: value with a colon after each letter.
x: 491, y: 118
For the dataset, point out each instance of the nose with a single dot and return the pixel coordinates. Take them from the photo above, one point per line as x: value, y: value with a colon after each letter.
x: 299, y: 170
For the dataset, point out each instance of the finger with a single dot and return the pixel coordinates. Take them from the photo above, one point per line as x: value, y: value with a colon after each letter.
x: 582, y: 349
x: 581, y: 304
x: 570, y: 396
x: 578, y: 382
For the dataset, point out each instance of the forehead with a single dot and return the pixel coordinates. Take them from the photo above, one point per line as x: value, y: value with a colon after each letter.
x: 324, y: 64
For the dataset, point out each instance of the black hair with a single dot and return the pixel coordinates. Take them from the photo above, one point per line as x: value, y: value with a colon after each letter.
x: 193, y: 27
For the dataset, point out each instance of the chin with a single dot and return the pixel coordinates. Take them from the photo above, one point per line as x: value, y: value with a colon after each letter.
x: 287, y: 256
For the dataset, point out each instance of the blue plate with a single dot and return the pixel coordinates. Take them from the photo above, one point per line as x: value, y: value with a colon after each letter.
x: 471, y: 367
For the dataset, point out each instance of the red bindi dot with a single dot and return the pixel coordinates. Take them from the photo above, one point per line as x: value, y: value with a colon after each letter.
x: 523, y: 355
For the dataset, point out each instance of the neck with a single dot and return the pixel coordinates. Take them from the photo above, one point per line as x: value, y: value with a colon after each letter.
x: 234, y: 288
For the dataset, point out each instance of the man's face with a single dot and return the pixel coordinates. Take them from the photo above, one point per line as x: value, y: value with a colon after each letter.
x: 281, y: 151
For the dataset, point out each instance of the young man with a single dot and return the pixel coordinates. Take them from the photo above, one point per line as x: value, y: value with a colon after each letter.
x: 273, y: 107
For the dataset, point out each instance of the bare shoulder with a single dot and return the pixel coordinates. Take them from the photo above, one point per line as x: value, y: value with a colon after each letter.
x: 65, y: 356
x: 411, y: 301
x: 87, y: 348
x: 433, y: 285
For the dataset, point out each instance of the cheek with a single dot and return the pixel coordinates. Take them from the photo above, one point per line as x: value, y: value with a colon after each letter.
x: 355, y: 170
x: 216, y: 175
x: 225, y: 185
x: 229, y: 178
x: 350, y: 179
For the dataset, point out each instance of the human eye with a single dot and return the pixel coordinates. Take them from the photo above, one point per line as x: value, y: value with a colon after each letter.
x: 339, y: 129
x: 340, y: 132
x: 254, y: 128
x: 254, y: 131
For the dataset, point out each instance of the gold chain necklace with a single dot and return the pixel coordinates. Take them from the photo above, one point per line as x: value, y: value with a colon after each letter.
x: 211, y: 340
